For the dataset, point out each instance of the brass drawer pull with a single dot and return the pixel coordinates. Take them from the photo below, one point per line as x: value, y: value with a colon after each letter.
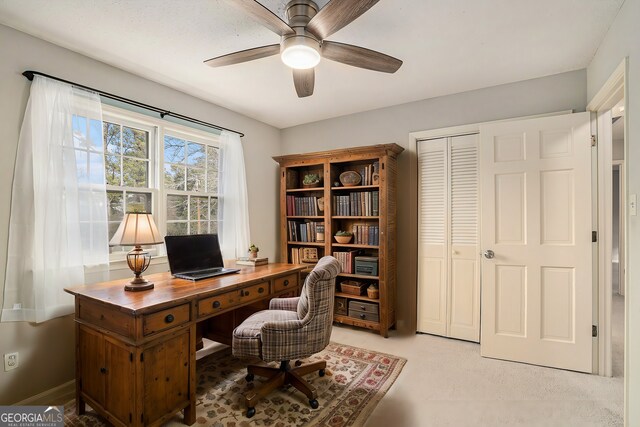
x: 363, y: 308
x: 169, y: 318
x: 362, y: 316
x: 260, y: 290
x: 216, y: 304
x: 286, y: 282
x: 103, y: 370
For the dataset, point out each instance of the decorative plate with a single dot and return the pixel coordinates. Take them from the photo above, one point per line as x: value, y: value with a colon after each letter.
x: 350, y: 178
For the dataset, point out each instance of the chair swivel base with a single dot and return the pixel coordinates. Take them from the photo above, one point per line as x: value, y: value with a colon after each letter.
x: 278, y: 377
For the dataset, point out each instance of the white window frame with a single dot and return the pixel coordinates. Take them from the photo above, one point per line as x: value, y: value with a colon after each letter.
x: 157, y: 129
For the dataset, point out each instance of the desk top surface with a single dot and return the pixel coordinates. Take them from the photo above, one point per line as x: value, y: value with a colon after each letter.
x: 168, y: 289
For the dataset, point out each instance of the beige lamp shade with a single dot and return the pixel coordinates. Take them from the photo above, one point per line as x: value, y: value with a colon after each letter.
x: 136, y: 229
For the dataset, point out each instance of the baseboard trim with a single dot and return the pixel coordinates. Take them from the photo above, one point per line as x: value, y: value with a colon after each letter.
x: 56, y: 396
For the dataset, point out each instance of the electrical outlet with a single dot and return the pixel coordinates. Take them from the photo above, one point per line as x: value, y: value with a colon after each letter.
x: 11, y: 361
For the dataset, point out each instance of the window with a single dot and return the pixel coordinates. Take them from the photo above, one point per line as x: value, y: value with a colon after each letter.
x: 127, y: 167
x: 191, y: 185
x: 176, y: 180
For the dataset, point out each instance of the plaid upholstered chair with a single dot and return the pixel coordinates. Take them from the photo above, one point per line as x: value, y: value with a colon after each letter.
x: 292, y: 328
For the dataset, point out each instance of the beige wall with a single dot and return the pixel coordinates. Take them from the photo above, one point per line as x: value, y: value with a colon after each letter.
x: 555, y: 93
x: 622, y: 41
x: 47, y: 350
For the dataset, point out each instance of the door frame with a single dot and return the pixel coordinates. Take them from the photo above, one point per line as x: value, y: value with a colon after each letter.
x: 622, y: 202
x: 614, y: 88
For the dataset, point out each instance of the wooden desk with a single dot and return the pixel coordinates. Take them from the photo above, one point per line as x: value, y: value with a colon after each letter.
x: 136, y: 351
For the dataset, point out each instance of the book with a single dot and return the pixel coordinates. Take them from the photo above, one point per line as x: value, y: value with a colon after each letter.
x: 252, y: 261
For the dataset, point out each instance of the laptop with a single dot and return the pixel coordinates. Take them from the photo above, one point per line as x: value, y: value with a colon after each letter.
x: 195, y: 257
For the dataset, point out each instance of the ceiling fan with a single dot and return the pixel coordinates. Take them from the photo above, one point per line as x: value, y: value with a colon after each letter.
x: 303, y: 41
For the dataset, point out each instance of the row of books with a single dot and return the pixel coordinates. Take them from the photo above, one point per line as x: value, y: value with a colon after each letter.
x: 346, y: 260
x: 357, y: 203
x: 364, y: 234
x: 368, y: 173
x: 310, y: 231
x: 303, y: 206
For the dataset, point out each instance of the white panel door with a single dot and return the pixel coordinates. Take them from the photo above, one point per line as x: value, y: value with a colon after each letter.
x: 432, y: 243
x: 464, y: 271
x: 536, y: 218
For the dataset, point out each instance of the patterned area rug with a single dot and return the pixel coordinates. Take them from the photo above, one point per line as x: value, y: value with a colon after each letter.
x: 356, y: 380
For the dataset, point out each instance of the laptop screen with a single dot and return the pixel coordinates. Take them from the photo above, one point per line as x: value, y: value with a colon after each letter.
x: 192, y: 253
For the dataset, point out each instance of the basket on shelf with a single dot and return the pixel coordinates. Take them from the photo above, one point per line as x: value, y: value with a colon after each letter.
x: 373, y: 292
x: 309, y: 255
x: 352, y: 287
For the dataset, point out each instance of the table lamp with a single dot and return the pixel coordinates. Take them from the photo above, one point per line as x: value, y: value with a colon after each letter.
x: 137, y: 229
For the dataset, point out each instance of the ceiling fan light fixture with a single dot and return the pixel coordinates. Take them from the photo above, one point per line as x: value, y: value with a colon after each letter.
x: 300, y: 53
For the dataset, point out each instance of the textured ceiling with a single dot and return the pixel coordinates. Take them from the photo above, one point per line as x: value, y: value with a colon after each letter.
x: 447, y: 46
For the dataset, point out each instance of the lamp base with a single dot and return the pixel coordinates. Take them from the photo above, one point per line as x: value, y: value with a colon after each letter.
x: 138, y: 284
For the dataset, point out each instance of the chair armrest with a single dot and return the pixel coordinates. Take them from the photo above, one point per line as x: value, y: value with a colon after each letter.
x: 289, y: 304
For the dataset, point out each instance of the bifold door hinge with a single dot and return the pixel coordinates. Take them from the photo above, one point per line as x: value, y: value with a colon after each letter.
x: 594, y: 331
x: 594, y: 140
x: 594, y: 236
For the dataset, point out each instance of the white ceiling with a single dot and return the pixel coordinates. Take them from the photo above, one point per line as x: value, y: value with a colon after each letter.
x: 448, y: 46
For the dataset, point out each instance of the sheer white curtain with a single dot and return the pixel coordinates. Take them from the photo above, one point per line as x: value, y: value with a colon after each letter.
x: 58, y: 218
x: 234, y: 227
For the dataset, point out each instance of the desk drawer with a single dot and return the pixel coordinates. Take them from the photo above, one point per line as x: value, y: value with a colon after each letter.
x: 286, y: 282
x: 251, y: 293
x: 218, y: 303
x: 106, y: 317
x: 165, y: 319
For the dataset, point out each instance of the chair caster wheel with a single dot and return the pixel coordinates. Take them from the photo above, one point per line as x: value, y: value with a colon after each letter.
x: 314, y: 404
x: 249, y: 378
x: 252, y: 411
x: 298, y: 363
x: 321, y: 372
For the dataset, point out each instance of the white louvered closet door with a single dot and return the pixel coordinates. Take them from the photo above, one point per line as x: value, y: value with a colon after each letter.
x: 432, y: 245
x: 449, y: 276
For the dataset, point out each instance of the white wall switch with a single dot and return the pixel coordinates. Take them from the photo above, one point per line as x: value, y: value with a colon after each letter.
x: 633, y: 204
x: 11, y: 361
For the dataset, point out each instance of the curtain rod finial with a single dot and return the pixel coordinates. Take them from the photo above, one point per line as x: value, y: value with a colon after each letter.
x: 29, y: 75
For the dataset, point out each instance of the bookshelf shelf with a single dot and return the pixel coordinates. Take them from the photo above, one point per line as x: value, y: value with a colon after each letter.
x: 358, y: 276
x: 355, y: 187
x: 352, y: 245
x: 355, y: 217
x: 315, y: 244
x: 305, y: 190
x: 375, y: 164
x: 358, y: 297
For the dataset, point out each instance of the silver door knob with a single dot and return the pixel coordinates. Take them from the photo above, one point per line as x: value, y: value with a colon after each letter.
x: 489, y: 254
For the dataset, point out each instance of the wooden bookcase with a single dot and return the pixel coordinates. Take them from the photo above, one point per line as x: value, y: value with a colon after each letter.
x: 299, y: 206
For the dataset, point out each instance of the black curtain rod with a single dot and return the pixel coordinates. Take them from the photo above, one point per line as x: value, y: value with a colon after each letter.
x: 30, y: 74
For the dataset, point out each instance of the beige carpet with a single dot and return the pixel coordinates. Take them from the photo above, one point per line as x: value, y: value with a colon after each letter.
x: 356, y: 380
x: 447, y: 383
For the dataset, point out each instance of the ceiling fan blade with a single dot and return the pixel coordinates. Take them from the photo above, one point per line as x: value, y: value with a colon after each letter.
x: 336, y: 14
x: 304, y: 81
x: 244, y: 56
x: 263, y: 15
x: 360, y: 57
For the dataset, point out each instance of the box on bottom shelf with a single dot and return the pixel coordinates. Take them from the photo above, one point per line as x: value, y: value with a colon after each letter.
x: 363, y: 315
